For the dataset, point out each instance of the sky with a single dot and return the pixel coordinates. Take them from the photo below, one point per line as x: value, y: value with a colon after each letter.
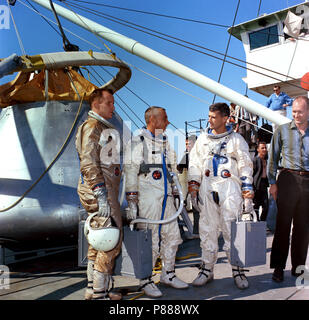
x: 38, y: 37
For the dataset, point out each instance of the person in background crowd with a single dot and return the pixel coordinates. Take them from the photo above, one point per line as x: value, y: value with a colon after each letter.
x: 278, y: 102
x: 260, y: 181
x: 241, y: 121
x: 233, y: 119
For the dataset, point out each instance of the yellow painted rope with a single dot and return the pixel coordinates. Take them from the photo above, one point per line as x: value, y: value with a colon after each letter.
x: 187, y: 256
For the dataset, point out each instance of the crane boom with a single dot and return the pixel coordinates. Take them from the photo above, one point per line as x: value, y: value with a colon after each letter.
x: 167, y: 63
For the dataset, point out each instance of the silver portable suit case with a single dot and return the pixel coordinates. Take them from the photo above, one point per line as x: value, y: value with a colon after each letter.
x: 248, y: 243
x: 135, y: 259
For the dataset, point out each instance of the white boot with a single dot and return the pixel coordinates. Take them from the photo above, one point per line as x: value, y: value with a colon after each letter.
x: 204, y: 276
x: 149, y: 288
x: 169, y: 278
x: 89, y: 289
x: 240, y: 279
x: 100, y: 285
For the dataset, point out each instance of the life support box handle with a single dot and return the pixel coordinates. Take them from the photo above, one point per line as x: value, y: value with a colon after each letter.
x: 170, y: 219
x: 252, y: 213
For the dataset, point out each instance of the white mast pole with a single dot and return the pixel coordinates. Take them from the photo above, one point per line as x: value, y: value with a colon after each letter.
x: 166, y: 63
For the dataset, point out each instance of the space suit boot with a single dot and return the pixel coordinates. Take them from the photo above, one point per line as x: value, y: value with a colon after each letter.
x: 149, y: 288
x: 89, y: 289
x: 204, y: 276
x: 169, y: 278
x: 240, y: 278
x: 101, y: 283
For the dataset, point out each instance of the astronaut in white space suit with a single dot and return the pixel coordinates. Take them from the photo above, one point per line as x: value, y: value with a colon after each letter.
x: 148, y: 161
x: 220, y: 175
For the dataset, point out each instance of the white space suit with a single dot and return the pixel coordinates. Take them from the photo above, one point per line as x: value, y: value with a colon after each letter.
x: 143, y: 167
x: 222, y: 166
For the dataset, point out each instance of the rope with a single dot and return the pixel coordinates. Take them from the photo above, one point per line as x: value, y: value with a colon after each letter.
x: 117, y: 103
x: 43, y: 18
x: 143, y: 99
x: 146, y: 103
x: 130, y: 25
x: 121, y: 98
x: 114, y: 56
x: 207, y: 49
x: 190, y: 255
x: 258, y: 13
x: 87, y: 27
x: 51, y: 164
x: 67, y: 30
x: 17, y: 33
x: 226, y: 50
x: 65, y: 40
x: 156, y: 14
x: 255, y: 125
x: 275, y: 72
x: 150, y: 75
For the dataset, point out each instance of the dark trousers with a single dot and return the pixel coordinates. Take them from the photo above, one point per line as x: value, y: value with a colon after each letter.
x: 293, y: 205
x: 261, y: 199
x: 245, y: 131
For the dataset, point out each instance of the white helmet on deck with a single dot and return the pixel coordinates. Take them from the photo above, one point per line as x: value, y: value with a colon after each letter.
x: 103, y: 238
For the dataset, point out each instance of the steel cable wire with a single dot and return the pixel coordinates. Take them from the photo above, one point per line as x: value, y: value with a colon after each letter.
x: 131, y: 25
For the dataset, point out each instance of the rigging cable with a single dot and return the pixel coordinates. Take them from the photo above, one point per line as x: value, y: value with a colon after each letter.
x: 172, y: 17
x: 246, y: 93
x: 102, y: 79
x: 112, y: 54
x: 44, y: 18
x: 67, y: 46
x: 207, y: 49
x: 118, y: 96
x: 33, y: 8
x: 203, y: 101
x: 16, y: 30
x: 153, y: 13
x: 258, y: 13
x: 127, y: 24
x: 226, y: 50
x: 223, y: 64
x: 94, y: 33
x: 131, y: 65
x: 67, y: 30
x: 163, y: 15
x: 55, y: 158
x: 202, y: 53
x: 117, y: 103
x: 146, y: 103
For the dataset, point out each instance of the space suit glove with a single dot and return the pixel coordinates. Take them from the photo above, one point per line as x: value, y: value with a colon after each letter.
x: 246, y: 188
x: 132, y: 199
x: 176, y: 196
x: 248, y: 205
x: 248, y: 214
x: 175, y: 191
x: 100, y: 193
x: 193, y: 189
x: 247, y: 194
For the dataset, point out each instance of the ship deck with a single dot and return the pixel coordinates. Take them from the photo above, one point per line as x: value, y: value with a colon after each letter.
x: 58, y: 277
